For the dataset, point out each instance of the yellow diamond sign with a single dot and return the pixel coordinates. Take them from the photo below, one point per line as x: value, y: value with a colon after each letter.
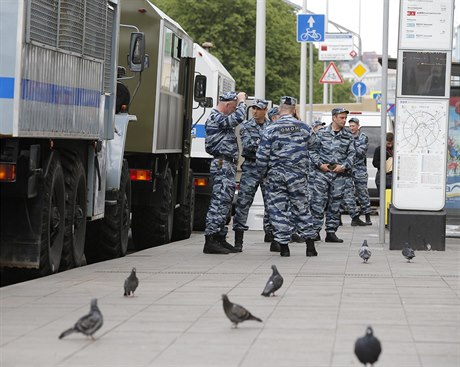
x: 360, y: 70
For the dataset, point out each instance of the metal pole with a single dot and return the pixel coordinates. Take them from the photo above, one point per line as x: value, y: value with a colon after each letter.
x: 303, y: 72
x: 325, y: 64
x: 310, y: 87
x: 259, y: 88
x: 383, y: 116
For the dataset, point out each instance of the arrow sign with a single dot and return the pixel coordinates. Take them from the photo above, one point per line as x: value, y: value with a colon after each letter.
x: 310, y: 27
x: 359, y: 89
x: 331, y: 75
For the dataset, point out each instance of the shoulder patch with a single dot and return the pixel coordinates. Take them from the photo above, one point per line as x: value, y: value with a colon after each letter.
x: 289, y: 129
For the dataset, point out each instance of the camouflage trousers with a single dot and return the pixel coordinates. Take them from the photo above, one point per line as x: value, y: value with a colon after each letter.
x: 326, y: 197
x: 288, y: 205
x: 249, y: 183
x: 223, y: 175
x: 356, y: 189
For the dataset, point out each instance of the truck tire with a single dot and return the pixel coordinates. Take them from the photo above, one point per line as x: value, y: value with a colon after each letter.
x: 201, y: 209
x: 183, y: 215
x: 75, y: 227
x: 108, y: 238
x: 53, y: 218
x: 152, y: 224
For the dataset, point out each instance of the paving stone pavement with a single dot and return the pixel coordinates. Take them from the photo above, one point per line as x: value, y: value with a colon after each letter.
x: 176, y: 316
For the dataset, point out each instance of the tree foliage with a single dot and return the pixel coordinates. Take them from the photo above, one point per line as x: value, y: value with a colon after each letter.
x: 230, y: 26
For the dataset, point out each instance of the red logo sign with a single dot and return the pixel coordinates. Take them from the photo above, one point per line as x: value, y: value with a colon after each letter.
x: 411, y: 13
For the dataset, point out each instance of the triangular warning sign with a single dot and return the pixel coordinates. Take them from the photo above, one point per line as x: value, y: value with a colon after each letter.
x: 331, y: 75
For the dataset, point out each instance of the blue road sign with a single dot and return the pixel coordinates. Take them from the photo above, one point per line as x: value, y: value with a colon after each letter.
x: 310, y: 27
x: 359, y: 89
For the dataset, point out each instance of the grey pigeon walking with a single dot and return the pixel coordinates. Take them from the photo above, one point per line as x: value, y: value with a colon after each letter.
x: 131, y: 283
x: 364, y: 252
x: 87, y: 324
x: 408, y: 252
x: 236, y: 313
x: 368, y: 348
x: 274, y: 283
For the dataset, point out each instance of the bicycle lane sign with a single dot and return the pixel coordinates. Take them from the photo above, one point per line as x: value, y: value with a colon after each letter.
x: 310, y: 27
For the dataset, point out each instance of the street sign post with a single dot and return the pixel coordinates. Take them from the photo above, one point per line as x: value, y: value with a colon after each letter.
x: 310, y: 27
x: 359, y: 89
x: 336, y: 46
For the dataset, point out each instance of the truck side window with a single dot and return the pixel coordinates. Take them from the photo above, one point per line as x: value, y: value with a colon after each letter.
x: 171, y: 61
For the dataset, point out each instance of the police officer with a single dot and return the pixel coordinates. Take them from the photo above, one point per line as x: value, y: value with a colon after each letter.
x: 333, y: 156
x: 221, y: 143
x: 358, y: 181
x: 273, y: 114
x: 251, y: 132
x: 316, y: 125
x: 282, y: 158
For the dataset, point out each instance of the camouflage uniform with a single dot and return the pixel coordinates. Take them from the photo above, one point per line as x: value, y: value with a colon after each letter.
x: 330, y: 148
x: 282, y: 157
x: 221, y: 143
x: 356, y: 185
x: 251, y: 133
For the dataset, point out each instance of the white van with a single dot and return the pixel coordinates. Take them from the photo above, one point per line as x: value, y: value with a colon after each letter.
x: 370, y: 123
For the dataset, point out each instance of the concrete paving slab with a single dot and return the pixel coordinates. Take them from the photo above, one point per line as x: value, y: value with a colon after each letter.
x: 176, y: 316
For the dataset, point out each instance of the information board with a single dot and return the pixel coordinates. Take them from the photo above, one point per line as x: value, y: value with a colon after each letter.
x: 336, y: 46
x: 419, y: 179
x: 426, y: 24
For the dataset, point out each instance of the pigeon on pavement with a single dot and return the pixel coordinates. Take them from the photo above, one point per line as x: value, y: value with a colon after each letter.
x: 408, y: 252
x: 87, y: 324
x: 131, y: 283
x: 368, y: 348
x: 236, y: 313
x: 274, y: 283
x: 364, y: 252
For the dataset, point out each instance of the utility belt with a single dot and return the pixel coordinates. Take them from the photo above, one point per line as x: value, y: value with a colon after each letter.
x: 227, y: 158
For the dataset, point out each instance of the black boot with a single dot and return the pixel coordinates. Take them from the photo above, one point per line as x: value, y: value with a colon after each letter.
x: 275, y: 246
x: 311, y: 251
x: 340, y: 220
x: 239, y: 240
x: 268, y: 237
x: 284, y: 250
x: 368, y: 220
x: 223, y: 242
x: 296, y: 238
x: 317, y: 238
x: 331, y: 237
x: 357, y: 222
x: 213, y: 246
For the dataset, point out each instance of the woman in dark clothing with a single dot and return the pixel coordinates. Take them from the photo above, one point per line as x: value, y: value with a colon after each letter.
x: 376, y: 162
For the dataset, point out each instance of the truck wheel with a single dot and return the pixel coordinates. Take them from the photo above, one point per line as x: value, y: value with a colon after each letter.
x: 75, y: 229
x: 53, y: 218
x: 183, y: 215
x: 108, y: 238
x: 152, y: 225
x: 201, y: 209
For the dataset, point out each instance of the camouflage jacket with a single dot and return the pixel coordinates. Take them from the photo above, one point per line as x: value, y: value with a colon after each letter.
x: 220, y: 132
x: 251, y: 132
x: 333, y: 148
x: 284, y: 146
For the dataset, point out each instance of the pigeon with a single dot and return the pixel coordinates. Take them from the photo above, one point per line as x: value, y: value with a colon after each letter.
x: 368, y: 348
x: 364, y: 252
x: 236, y: 313
x: 87, y: 324
x: 274, y: 283
x: 131, y: 283
x: 408, y: 252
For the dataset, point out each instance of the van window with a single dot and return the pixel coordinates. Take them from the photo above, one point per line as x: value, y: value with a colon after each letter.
x: 373, y: 134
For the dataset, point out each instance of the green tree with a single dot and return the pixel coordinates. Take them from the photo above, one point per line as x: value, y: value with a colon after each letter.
x: 230, y: 26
